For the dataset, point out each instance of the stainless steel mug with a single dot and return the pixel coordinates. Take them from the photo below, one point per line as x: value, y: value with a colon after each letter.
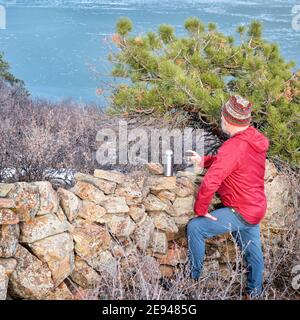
x: 168, y: 165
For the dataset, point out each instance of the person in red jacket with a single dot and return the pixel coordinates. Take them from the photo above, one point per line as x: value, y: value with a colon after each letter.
x: 236, y: 173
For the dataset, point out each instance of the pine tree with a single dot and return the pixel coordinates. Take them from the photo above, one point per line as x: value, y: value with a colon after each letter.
x: 196, y: 73
x: 4, y: 72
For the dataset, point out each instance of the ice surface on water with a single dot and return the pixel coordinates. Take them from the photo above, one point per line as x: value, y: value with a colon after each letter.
x: 87, y: 3
x: 53, y: 45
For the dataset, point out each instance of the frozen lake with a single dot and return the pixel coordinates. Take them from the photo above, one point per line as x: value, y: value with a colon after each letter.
x: 56, y: 46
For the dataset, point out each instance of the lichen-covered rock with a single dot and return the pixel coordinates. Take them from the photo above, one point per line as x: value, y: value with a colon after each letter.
x: 184, y: 219
x: 61, y: 269
x: 8, y: 216
x: 139, y: 177
x: 165, y: 223
x: 277, y: 194
x: 5, y: 188
x: 106, y: 186
x: 42, y: 227
x: 188, y: 174
x: 157, y: 183
x: 131, y: 249
x: 48, y: 198
x: 58, y: 252
x: 137, y: 213
x: 9, y: 264
x: 159, y: 242
x: 165, y: 195
x: 178, y: 236
x: 91, y: 211
x: 143, y: 233
x: 121, y: 226
x: 183, y: 206
x: 85, y: 276
x: 90, y: 239
x: 9, y: 238
x: 87, y: 191
x: 182, y: 191
x: 3, y: 283
x: 109, y: 175
x: 115, y: 204
x: 130, y: 190
x: 61, y: 215
x: 61, y: 292
x: 155, y: 168
x: 117, y: 250
x: 186, y: 182
x: 193, y: 176
x: 70, y: 204
x: 7, y: 203
x: 270, y: 171
x: 79, y: 222
x: 27, y: 200
x: 31, y: 279
x: 185, y: 187
x: 153, y: 203
x: 104, y: 263
x: 104, y: 220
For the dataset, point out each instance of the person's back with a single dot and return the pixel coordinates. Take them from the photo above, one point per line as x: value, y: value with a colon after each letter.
x: 243, y: 189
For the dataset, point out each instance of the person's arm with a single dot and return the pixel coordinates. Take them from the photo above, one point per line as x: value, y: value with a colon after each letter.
x: 207, y: 161
x: 202, y: 161
x: 225, y: 161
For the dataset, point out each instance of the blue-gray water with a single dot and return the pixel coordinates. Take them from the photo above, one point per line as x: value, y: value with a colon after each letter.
x: 58, y: 47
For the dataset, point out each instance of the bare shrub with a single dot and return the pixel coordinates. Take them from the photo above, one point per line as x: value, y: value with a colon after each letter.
x: 46, y: 140
x: 40, y: 139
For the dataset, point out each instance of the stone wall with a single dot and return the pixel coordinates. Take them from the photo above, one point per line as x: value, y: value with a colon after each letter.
x: 47, y: 235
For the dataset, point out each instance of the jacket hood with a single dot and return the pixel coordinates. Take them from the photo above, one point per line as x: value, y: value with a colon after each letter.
x: 256, y: 140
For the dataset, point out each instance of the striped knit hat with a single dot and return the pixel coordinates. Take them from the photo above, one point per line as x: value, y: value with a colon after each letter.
x: 237, y: 111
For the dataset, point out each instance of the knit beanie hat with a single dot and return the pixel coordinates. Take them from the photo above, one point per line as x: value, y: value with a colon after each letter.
x: 237, y: 111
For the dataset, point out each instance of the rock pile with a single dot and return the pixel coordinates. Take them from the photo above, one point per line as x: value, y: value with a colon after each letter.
x: 47, y: 236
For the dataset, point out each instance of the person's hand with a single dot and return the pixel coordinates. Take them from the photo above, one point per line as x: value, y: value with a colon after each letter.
x: 195, y: 158
x: 208, y: 215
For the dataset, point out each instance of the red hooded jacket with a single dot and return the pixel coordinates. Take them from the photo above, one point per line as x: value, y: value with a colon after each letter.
x: 236, y: 173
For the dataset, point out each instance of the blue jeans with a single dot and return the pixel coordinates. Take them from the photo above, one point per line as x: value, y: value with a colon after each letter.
x: 246, y: 235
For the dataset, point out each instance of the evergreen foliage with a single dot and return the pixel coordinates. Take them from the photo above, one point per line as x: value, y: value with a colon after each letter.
x: 4, y: 72
x: 196, y: 73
